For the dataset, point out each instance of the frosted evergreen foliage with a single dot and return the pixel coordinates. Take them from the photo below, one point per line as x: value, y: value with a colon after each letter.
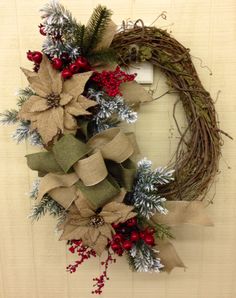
x: 8, y: 117
x: 61, y: 28
x: 23, y: 132
x: 145, y: 196
x: 47, y: 204
x: 143, y: 258
x: 111, y: 108
x: 34, y: 189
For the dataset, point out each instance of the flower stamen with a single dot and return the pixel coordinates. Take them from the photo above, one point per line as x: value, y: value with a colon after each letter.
x: 96, y: 221
x: 53, y: 100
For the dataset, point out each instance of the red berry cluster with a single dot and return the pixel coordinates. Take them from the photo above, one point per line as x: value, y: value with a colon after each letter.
x: 79, y: 65
x: 110, y: 81
x: 100, y: 281
x: 84, y: 252
x: 127, y: 234
x: 62, y: 64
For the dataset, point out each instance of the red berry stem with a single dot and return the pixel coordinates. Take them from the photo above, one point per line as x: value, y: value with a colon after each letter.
x: 100, y: 281
x: 84, y: 253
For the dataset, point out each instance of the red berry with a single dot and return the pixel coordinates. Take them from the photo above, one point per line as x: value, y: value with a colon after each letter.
x: 42, y: 30
x: 74, y: 68
x: 149, y: 239
x: 132, y: 222
x: 142, y: 235
x: 117, y: 238
x: 81, y: 62
x: 115, y: 246
x: 115, y: 226
x: 57, y: 63
x: 37, y: 57
x: 127, y: 245
x: 150, y: 230
x: 65, y: 57
x: 72, y: 249
x: 66, y: 73
x: 134, y: 236
x: 29, y: 55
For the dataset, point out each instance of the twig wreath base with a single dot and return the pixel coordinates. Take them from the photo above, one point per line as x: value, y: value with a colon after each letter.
x: 199, y: 149
x: 87, y: 179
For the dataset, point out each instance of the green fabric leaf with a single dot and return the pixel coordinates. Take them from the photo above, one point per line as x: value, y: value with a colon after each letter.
x: 124, y: 173
x: 43, y: 162
x: 99, y: 194
x: 68, y: 150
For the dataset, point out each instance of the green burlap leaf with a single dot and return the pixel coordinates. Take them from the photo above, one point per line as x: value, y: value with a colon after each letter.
x: 124, y: 173
x: 99, y: 194
x: 68, y: 150
x: 43, y: 162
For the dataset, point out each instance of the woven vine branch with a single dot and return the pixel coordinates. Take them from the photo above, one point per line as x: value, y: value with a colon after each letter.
x: 197, y: 155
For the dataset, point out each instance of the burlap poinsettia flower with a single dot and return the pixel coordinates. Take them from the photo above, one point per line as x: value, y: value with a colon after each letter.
x: 94, y: 227
x: 56, y: 104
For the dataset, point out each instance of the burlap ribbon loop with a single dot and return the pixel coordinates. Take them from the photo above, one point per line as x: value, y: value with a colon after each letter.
x: 113, y: 144
x: 92, y: 169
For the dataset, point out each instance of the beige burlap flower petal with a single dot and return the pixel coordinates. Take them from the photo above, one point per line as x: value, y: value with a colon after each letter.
x: 39, y: 104
x: 106, y: 230
x: 69, y: 121
x: 85, y: 102
x: 65, y: 99
x: 76, y: 109
x: 49, y: 77
x: 71, y: 232
x: 24, y: 112
x: 49, y: 123
x: 75, y: 85
x: 36, y: 84
x: 100, y: 245
x: 117, y: 212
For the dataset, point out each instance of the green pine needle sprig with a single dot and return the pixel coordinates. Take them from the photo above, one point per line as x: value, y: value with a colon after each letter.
x: 104, y: 55
x: 96, y: 27
x: 9, y: 117
x: 47, y: 205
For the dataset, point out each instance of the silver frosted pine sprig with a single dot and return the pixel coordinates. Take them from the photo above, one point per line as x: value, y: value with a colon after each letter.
x: 61, y: 29
x: 112, y: 110
x: 145, y: 196
x: 57, y: 20
x: 23, y: 132
x: 143, y: 258
x: 46, y: 205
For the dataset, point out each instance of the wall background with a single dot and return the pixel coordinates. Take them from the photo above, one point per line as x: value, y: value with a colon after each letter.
x: 32, y: 260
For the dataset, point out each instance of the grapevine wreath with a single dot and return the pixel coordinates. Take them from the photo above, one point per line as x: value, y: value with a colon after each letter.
x: 80, y: 90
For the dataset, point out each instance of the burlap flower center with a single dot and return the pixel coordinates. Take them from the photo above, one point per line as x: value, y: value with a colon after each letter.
x: 96, y: 221
x: 53, y: 100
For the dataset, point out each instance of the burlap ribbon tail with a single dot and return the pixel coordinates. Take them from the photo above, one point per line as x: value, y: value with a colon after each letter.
x: 179, y: 212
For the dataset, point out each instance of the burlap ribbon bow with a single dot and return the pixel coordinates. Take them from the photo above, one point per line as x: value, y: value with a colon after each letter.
x: 73, y: 164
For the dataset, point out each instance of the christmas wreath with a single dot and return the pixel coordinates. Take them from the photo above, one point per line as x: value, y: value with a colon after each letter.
x: 80, y: 90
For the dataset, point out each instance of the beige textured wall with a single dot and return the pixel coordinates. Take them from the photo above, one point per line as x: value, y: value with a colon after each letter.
x: 32, y: 260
